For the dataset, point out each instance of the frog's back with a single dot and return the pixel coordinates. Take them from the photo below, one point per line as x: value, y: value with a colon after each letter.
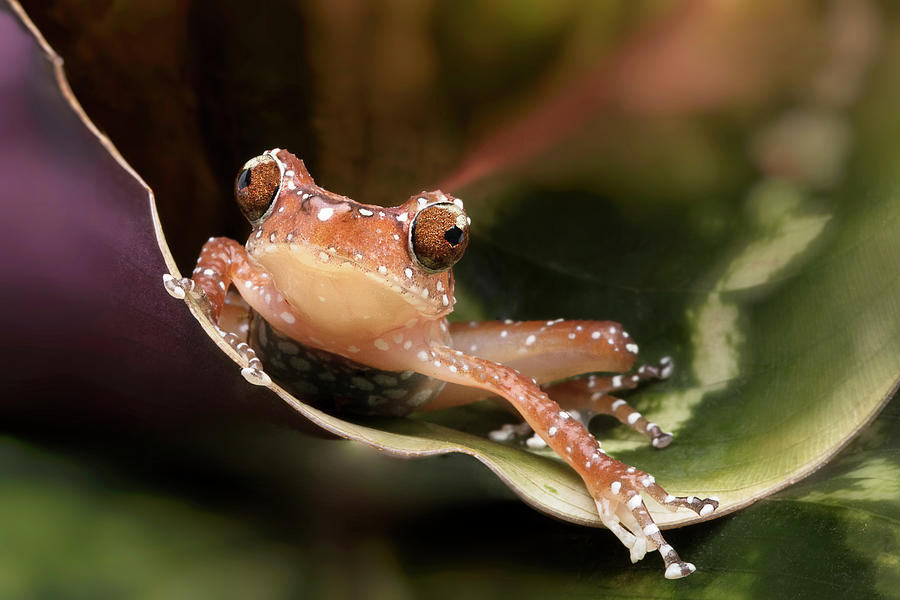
x: 335, y: 383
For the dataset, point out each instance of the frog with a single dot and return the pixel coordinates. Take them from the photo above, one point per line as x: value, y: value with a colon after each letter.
x: 349, y: 305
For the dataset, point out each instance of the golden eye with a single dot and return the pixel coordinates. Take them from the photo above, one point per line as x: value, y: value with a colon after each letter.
x: 439, y: 235
x: 256, y: 186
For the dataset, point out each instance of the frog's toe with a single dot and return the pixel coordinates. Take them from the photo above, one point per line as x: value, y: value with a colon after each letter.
x: 662, y: 370
x: 255, y: 374
x: 510, y: 432
x: 178, y: 288
x: 660, y: 438
x: 679, y: 569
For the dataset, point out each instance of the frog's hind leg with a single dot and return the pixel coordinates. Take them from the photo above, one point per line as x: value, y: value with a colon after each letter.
x: 551, y: 350
x: 546, y: 351
x: 615, y: 487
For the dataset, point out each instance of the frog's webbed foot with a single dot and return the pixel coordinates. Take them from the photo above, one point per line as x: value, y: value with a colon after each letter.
x: 184, y: 288
x: 622, y: 511
x: 591, y: 396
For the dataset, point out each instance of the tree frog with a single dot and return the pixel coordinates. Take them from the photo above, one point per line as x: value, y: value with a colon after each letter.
x: 349, y: 306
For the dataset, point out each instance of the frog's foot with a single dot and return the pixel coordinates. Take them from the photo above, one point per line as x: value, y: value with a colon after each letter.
x: 179, y: 288
x: 622, y: 511
x: 183, y: 288
x: 643, y: 374
x: 589, y: 397
x: 525, y: 435
x: 253, y: 372
x: 186, y: 287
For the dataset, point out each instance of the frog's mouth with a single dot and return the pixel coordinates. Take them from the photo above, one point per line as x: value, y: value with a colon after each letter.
x: 341, y: 296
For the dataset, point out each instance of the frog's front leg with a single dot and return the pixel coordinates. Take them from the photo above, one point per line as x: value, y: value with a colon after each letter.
x: 615, y: 487
x: 224, y: 262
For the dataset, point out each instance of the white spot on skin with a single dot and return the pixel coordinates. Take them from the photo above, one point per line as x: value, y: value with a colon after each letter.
x: 571, y: 336
x: 402, y: 217
x: 633, y: 348
x: 651, y: 529
x: 407, y: 344
x: 563, y: 415
x: 630, y: 470
x: 422, y: 355
x: 382, y: 269
x: 381, y: 344
x: 552, y: 431
x: 707, y: 508
x: 408, y: 272
x: 530, y: 340
x: 445, y: 300
x: 596, y: 335
x: 633, y: 417
x: 617, y: 381
x: 618, y: 403
x: 616, y: 487
x: 366, y: 212
x: 352, y: 349
x: 535, y: 442
x: 323, y: 257
x: 272, y: 237
x: 325, y: 213
x: 287, y: 317
x: 504, y: 333
x: 634, y: 502
x: 648, y: 481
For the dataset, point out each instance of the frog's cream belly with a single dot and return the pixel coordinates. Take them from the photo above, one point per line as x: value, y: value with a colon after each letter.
x: 340, y: 298
x: 332, y: 382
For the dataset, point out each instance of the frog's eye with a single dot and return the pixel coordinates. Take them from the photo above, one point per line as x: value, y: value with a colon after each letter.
x: 439, y: 235
x: 256, y: 186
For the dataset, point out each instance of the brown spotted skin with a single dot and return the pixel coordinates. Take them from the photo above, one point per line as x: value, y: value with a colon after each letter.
x: 341, y: 281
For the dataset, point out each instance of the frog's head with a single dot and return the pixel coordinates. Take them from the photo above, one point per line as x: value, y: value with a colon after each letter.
x: 348, y: 264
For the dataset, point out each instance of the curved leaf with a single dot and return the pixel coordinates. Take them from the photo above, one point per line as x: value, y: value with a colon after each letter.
x: 776, y: 292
